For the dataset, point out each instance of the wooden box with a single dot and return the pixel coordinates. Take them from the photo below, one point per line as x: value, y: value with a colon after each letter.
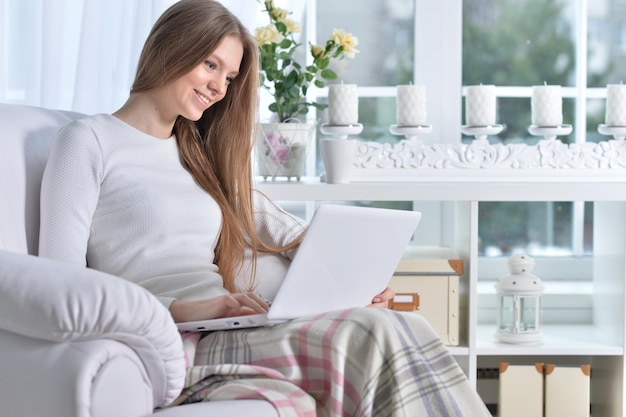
x: 521, y: 391
x: 567, y: 390
x: 430, y: 287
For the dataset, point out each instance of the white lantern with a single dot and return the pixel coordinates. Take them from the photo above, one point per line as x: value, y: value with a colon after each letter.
x: 519, y: 303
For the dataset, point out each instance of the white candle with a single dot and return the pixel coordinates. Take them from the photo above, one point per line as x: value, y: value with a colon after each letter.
x: 411, y: 105
x: 480, y: 105
x: 616, y: 105
x: 547, y: 105
x: 343, y: 104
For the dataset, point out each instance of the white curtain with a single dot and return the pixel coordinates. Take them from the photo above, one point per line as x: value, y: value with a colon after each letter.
x: 79, y: 54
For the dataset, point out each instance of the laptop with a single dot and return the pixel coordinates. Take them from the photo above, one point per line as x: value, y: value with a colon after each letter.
x: 347, y: 256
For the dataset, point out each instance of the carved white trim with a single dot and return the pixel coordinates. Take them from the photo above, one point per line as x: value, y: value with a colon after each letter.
x: 547, y: 154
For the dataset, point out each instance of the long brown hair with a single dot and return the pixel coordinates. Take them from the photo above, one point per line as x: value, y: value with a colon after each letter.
x: 216, y: 149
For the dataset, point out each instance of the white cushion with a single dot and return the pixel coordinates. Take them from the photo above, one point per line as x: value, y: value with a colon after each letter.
x: 26, y: 137
x: 55, y: 301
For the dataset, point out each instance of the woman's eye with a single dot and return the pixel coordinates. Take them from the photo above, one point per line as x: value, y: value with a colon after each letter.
x: 210, y: 64
x: 230, y: 80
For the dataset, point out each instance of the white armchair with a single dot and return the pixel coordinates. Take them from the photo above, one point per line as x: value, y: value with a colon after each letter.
x: 74, y: 341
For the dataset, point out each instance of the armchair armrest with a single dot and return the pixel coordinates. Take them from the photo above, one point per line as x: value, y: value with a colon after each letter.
x: 81, y: 378
x: 53, y: 301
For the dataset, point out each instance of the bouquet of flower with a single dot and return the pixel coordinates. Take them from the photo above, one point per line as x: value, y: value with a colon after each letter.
x: 286, y: 79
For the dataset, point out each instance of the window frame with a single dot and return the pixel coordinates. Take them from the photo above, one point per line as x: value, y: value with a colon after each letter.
x: 438, y: 65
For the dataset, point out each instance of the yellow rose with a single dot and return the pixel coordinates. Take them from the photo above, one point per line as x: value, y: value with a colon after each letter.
x: 345, y: 40
x: 279, y: 14
x: 292, y: 26
x: 267, y: 34
x: 317, y: 51
x: 349, y: 51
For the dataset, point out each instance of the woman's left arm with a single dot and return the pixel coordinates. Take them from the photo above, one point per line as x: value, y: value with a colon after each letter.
x: 275, y: 226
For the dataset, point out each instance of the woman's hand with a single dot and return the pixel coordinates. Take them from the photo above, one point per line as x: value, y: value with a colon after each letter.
x: 227, y: 305
x: 382, y: 299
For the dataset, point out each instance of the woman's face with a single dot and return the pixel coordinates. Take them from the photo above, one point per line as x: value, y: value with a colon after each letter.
x: 206, y: 84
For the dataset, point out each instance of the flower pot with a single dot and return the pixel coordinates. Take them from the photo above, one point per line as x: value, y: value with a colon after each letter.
x: 282, y: 148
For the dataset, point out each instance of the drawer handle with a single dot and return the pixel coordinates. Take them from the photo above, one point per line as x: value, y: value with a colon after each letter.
x: 405, y: 302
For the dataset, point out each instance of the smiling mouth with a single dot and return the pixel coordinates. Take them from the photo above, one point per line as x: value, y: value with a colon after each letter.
x: 203, y: 98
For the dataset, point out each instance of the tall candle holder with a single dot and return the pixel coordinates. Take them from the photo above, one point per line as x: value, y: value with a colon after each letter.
x: 410, y: 132
x: 618, y: 132
x: 481, y: 133
x: 338, y: 154
x: 550, y: 132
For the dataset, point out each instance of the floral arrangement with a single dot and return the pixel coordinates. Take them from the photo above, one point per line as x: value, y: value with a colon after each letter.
x: 285, y: 78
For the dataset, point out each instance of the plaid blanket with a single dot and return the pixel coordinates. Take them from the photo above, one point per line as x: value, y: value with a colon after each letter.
x: 360, y: 362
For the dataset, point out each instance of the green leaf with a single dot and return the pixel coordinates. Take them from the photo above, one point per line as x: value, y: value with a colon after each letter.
x: 296, y: 65
x: 319, y: 106
x: 323, y: 63
x: 292, y: 78
x: 294, y: 92
x: 284, y: 56
x: 329, y: 74
x: 282, y: 28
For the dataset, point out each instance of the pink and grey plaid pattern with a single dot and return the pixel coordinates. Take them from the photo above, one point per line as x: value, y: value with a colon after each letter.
x: 361, y: 362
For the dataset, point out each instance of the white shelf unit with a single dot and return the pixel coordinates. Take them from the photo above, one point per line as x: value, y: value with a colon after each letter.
x: 600, y: 343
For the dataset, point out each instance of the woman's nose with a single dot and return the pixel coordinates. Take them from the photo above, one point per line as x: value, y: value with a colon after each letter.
x: 218, y: 86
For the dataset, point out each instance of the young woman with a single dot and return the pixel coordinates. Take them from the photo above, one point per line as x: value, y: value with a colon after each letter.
x: 160, y: 193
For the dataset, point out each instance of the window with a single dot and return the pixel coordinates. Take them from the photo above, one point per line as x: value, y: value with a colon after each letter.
x: 52, y: 54
x: 509, y: 43
x: 527, y: 43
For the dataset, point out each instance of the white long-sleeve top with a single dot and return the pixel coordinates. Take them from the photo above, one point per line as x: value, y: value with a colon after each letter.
x: 120, y: 201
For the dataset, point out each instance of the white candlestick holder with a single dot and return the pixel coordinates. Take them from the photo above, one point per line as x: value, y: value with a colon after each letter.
x: 338, y: 154
x: 481, y: 133
x: 410, y: 132
x: 550, y: 132
x: 341, y: 131
x: 618, y: 132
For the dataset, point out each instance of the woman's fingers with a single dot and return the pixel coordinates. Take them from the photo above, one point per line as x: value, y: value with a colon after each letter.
x: 227, y: 305
x: 382, y: 300
x: 248, y: 303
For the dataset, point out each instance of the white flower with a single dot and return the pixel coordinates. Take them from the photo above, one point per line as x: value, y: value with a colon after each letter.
x: 279, y: 14
x: 267, y: 34
x: 292, y: 26
x: 346, y: 41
